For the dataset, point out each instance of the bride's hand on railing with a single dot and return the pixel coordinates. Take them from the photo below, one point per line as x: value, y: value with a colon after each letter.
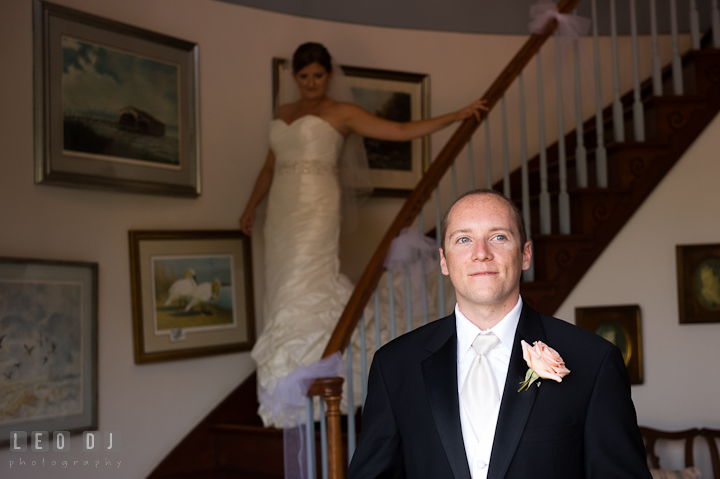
x: 473, y: 109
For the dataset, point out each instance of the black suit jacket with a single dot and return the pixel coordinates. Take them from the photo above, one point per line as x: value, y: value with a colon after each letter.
x: 583, y: 427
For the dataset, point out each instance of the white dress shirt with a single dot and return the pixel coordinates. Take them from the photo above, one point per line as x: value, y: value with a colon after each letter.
x: 478, y: 445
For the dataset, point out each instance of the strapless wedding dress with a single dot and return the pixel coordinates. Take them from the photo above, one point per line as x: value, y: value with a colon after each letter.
x: 305, y: 293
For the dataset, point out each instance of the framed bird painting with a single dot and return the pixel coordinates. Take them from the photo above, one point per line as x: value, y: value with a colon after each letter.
x: 48, y: 346
x: 192, y: 294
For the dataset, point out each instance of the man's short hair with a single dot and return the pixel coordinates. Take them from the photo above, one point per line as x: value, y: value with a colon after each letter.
x: 517, y: 214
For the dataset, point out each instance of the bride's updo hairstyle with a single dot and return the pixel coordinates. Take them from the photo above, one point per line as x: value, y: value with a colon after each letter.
x: 308, y: 53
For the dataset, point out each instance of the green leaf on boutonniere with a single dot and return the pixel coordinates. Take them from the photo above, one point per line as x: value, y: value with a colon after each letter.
x: 530, y: 377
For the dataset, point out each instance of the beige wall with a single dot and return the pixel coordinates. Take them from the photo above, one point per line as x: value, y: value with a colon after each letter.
x: 155, y: 405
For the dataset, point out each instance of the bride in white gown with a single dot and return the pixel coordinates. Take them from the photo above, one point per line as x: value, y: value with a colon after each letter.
x: 305, y: 292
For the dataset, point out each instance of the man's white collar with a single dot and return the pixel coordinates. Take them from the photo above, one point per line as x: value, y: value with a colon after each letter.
x: 504, y: 330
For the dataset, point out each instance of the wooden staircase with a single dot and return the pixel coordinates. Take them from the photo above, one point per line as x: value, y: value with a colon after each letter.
x: 231, y: 442
x: 672, y: 123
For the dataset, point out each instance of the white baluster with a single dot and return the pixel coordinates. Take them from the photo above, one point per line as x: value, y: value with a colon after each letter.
x: 488, y: 156
x: 363, y: 359
x: 310, y: 436
x: 656, y: 67
x: 528, y: 275
x: 408, y: 301
x: 618, y: 126
x: 676, y: 62
x: 441, y: 284
x: 378, y: 341
x: 638, y: 113
x: 545, y: 213
x: 351, y: 404
x: 391, y: 301
x: 424, y: 288
x: 323, y: 440
x: 471, y: 166
x: 563, y: 198
x: 580, y: 151
x: 715, y: 15
x: 694, y: 25
x: 600, y: 152
x: 506, y: 152
x: 453, y: 180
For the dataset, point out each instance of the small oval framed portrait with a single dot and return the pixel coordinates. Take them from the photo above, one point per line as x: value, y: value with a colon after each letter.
x: 621, y: 326
x: 698, y: 277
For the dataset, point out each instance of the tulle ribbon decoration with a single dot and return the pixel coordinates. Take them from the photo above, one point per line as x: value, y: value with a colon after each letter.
x: 288, y: 403
x: 570, y: 27
x: 414, y: 254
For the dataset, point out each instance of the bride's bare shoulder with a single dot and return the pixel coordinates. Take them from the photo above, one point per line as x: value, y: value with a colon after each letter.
x: 285, y: 111
x: 345, y: 109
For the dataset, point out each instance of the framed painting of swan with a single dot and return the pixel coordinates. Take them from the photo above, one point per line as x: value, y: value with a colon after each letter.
x: 48, y: 346
x: 192, y: 293
x: 116, y: 106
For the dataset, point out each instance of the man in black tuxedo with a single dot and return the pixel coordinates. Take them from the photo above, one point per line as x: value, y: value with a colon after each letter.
x: 416, y: 421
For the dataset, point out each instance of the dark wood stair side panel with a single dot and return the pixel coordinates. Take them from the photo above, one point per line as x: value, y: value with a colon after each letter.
x: 707, y: 72
x: 222, y: 474
x: 196, y: 451
x: 257, y: 450
x: 557, y: 253
x: 252, y: 451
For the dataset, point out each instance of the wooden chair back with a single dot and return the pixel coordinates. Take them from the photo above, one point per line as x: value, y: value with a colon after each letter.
x: 651, y: 437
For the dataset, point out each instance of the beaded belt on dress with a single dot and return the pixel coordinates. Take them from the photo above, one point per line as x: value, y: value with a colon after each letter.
x: 308, y: 167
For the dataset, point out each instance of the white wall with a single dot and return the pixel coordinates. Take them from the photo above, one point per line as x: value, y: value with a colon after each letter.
x: 154, y: 406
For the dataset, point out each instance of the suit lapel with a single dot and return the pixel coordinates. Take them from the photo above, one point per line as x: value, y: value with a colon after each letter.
x: 440, y: 375
x: 515, y: 406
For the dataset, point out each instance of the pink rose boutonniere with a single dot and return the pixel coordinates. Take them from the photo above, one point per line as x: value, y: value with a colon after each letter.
x: 544, y: 362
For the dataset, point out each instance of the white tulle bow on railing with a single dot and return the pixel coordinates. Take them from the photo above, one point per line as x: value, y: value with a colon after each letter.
x: 288, y: 402
x: 410, y: 250
x: 570, y: 26
x: 415, y: 255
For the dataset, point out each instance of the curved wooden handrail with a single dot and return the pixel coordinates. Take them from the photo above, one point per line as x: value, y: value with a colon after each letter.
x: 413, y: 205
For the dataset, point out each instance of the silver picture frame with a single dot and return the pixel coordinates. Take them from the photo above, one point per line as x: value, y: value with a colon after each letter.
x: 49, y: 346
x: 116, y: 106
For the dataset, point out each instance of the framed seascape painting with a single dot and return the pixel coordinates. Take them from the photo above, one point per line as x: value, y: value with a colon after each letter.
x: 48, y: 346
x: 395, y: 166
x: 116, y: 106
x: 192, y: 294
x: 621, y: 326
x: 698, y: 277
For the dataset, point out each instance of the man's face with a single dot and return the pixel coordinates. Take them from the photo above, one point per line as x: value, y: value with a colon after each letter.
x: 483, y: 255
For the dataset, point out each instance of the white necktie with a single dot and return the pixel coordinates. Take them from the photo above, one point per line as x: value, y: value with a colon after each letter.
x: 479, y: 393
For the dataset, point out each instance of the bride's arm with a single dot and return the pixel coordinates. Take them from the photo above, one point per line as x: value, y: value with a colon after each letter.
x: 366, y: 124
x: 262, y: 186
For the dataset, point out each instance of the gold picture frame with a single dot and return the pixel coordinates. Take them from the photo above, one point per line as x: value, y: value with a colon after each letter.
x: 698, y: 277
x: 621, y: 325
x: 192, y: 294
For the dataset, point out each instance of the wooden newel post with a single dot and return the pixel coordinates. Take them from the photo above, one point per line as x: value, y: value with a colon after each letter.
x: 330, y: 389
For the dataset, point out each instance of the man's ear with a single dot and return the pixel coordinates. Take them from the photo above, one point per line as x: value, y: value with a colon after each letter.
x: 443, y: 263
x: 527, y: 256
